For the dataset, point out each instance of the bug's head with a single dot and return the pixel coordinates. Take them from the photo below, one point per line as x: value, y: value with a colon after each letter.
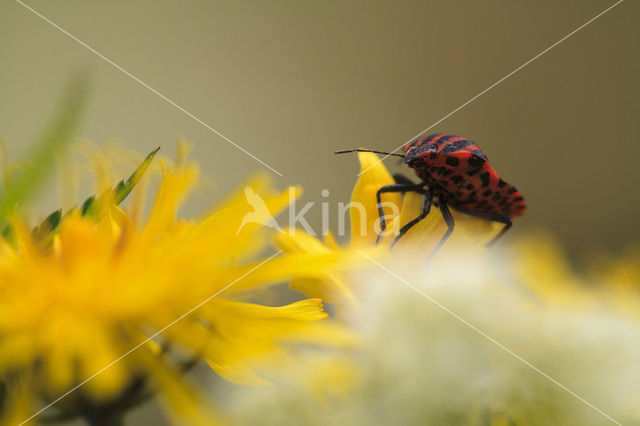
x: 416, y: 154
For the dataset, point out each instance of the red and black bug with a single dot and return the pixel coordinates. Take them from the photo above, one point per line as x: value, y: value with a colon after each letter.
x: 454, y: 171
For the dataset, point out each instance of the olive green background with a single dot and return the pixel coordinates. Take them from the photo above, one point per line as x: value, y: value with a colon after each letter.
x: 292, y: 81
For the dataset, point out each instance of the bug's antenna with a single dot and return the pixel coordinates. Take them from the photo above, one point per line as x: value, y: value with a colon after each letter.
x: 344, y: 151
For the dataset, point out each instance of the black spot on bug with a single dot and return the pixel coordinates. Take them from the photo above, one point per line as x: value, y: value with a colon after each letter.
x: 512, y: 190
x: 496, y: 196
x: 453, y: 161
x: 444, y: 171
x: 518, y: 199
x: 481, y: 203
x: 433, y: 155
x: 473, y: 194
x: 502, y: 202
x: 456, y: 146
x: 456, y: 179
x: 475, y: 161
x: 472, y: 172
x: 487, y: 193
x: 470, y: 186
x: 485, y: 178
x: 501, y: 183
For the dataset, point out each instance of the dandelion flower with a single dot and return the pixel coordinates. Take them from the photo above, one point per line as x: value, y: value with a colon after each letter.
x: 81, y: 309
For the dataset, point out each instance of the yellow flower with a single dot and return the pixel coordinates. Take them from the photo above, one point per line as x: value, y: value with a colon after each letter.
x: 84, y: 307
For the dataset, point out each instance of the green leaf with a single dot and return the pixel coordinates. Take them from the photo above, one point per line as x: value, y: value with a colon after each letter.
x: 91, y: 206
x: 122, y: 189
x: 53, y: 141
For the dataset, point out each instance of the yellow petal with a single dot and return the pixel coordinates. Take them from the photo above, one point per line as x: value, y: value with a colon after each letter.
x: 230, y: 361
x: 331, y: 288
x: 364, y: 210
x: 17, y: 401
x: 176, y: 184
x: 96, y: 352
x: 181, y: 401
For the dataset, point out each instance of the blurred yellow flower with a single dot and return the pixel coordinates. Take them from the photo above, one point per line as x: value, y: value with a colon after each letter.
x: 105, y: 284
x: 525, y: 339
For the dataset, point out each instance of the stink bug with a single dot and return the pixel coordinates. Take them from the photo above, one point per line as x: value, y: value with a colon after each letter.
x: 454, y: 171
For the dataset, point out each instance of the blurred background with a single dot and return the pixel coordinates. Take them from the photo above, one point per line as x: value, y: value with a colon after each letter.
x: 292, y: 81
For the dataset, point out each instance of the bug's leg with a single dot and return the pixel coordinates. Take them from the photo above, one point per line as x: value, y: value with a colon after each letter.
x: 507, y: 225
x: 402, y: 179
x: 399, y: 187
x: 495, y: 217
x: 448, y: 219
x: 426, y: 207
